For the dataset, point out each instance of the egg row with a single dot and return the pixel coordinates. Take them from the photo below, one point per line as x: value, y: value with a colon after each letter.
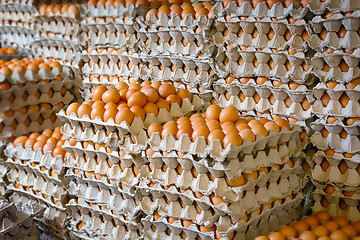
x: 69, y: 10
x: 8, y: 51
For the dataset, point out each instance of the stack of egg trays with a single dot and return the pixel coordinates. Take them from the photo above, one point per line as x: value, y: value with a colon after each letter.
x: 17, y: 222
x: 102, y: 178
x: 57, y: 36
x: 38, y: 178
x: 171, y: 194
x: 15, y: 23
x: 191, y: 63
x: 24, y: 93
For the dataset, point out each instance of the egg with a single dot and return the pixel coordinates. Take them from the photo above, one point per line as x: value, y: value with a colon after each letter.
x: 97, y: 111
x: 307, y: 235
x: 320, y: 231
x: 276, y: 236
x: 287, y: 231
x: 331, y: 226
x: 166, y: 89
x: 172, y: 98
x: 138, y: 111
x: 338, y: 235
x: 349, y: 230
x: 111, y: 95
x: 137, y: 99
x: 262, y: 238
x: 164, y: 9
x: 233, y: 138
x: 229, y: 113
x: 200, y: 131
x: 151, y: 94
x: 151, y: 108
x: 184, y: 128
x: 49, y: 147
x: 84, y: 109
x: 184, y: 93
x: 169, y: 129
x: 248, y: 135
x: 20, y: 140
x: 300, y: 226
x: 38, y: 144
x: 216, y: 134
x: 98, y: 92
x: 213, y: 125
x: 124, y: 114
x: 161, y: 103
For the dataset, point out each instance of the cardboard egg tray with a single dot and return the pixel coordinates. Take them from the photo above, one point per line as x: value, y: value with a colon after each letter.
x: 335, y: 128
x: 261, y: 10
x: 100, y: 224
x: 159, y: 43
x: 108, y: 34
x: 224, y: 225
x: 59, y: 26
x: 333, y: 174
x: 232, y: 168
x: 246, y: 28
x: 16, y: 12
x: 332, y: 26
x: 120, y: 11
x: 16, y: 36
x: 337, y: 191
x: 27, y: 158
x: 318, y: 7
x: 246, y: 68
x: 137, y: 124
x: 337, y: 206
x: 53, y: 218
x: 215, y: 149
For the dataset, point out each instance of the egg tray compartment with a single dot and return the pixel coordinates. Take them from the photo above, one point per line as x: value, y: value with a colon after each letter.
x: 111, y: 140
x: 109, y: 34
x: 92, y: 193
x: 336, y: 128
x: 336, y: 191
x: 197, y: 44
x: 100, y: 172
x: 101, y: 225
x: 16, y: 12
x: 224, y: 225
x: 137, y: 124
x: 351, y: 39
x: 352, y: 212
x: 337, y: 157
x: 215, y: 150
x: 120, y: 11
x: 247, y: 68
x: 198, y: 73
x: 37, y: 157
x: 52, y: 217
x: 231, y: 168
x: 37, y: 184
x: 59, y: 17
x: 318, y: 7
x: 261, y: 10
x: 261, y: 41
x: 57, y: 26
x: 22, y: 129
x: 269, y: 186
x: 16, y: 36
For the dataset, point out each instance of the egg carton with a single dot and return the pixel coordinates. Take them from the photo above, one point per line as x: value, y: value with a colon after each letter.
x: 336, y: 191
x: 22, y: 129
x: 334, y: 106
x: 261, y: 10
x: 21, y: 53
x: 39, y: 159
x: 16, y: 36
x: 108, y: 34
x: 196, y: 46
x: 132, y: 144
x: 51, y: 216
x: 113, y: 157
x: 22, y: 232
x: 248, y: 69
x: 102, y: 172
x: 49, y: 232
x: 224, y: 225
x: 67, y: 29
x: 58, y: 17
x: 137, y: 124
x: 263, y: 225
x: 120, y: 11
x: 232, y: 168
x: 318, y: 7
x: 332, y: 26
x: 263, y: 26
x: 337, y: 157
x: 16, y: 12
x: 243, y: 198
x: 351, y: 212
x: 100, y: 225
x: 30, y: 182
x: 336, y: 128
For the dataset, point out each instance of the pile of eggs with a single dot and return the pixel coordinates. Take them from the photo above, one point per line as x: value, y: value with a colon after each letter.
x: 64, y: 9
x: 8, y: 51
x: 269, y: 3
x: 48, y: 141
x: 222, y: 124
x: 116, y: 3
x: 183, y: 8
x: 22, y: 65
x: 320, y: 226
x: 125, y: 101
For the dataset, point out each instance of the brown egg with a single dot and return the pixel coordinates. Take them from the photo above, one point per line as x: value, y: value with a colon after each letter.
x: 229, y: 113
x: 349, y: 230
x: 150, y: 12
x: 151, y: 108
x: 259, y: 130
x: 331, y: 226
x: 111, y: 95
x: 97, y: 112
x: 338, y: 235
x: 216, y: 134
x: 213, y: 112
x: 300, y: 226
x: 161, y: 103
x: 248, y: 135
x: 282, y: 123
x: 73, y: 108
x: 187, y: 10
x: 288, y: 231
x: 183, y: 93
x: 38, y: 144
x: 202, y: 130
x: 353, y: 83
x: 272, y: 126
x: 276, y: 236
x: 320, y: 231
x: 166, y: 89
x: 201, y: 11
x: 185, y: 128
x: 172, y: 98
x: 262, y: 238
x: 232, y: 137
x: 137, y: 99
x: 169, y: 129
x: 151, y: 94
x: 164, y: 9
x: 124, y: 114
x: 154, y: 127
x: 49, y: 147
x: 175, y: 9
x: 342, y: 32
x: 84, y: 109
x: 342, y: 221
x: 213, y: 125
x: 138, y: 111
x: 20, y: 140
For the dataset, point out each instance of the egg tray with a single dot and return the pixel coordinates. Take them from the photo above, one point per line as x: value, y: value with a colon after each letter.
x: 93, y: 193
x: 336, y: 128
x: 231, y: 168
x: 58, y: 17
x: 16, y: 12
x: 108, y: 35
x: 264, y: 90
x: 137, y: 124
x: 37, y: 185
x: 100, y: 225
x: 247, y: 69
x: 215, y: 150
x: 111, y: 140
x: 120, y: 11
x: 352, y: 212
x: 318, y: 7
x: 261, y: 41
x: 198, y: 73
x: 37, y: 157
x: 16, y: 36
x: 337, y: 190
x: 351, y: 39
x: 241, y: 199
x: 261, y: 10
x: 335, y: 108
x: 22, y: 129
x: 54, y: 26
x: 349, y: 179
x: 22, y: 232
x: 280, y: 108
x: 52, y: 217
x: 337, y: 157
x: 224, y: 225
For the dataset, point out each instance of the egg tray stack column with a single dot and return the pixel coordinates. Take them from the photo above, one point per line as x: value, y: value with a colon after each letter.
x: 111, y: 42
x: 35, y: 176
x: 335, y: 166
x: 15, y: 26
